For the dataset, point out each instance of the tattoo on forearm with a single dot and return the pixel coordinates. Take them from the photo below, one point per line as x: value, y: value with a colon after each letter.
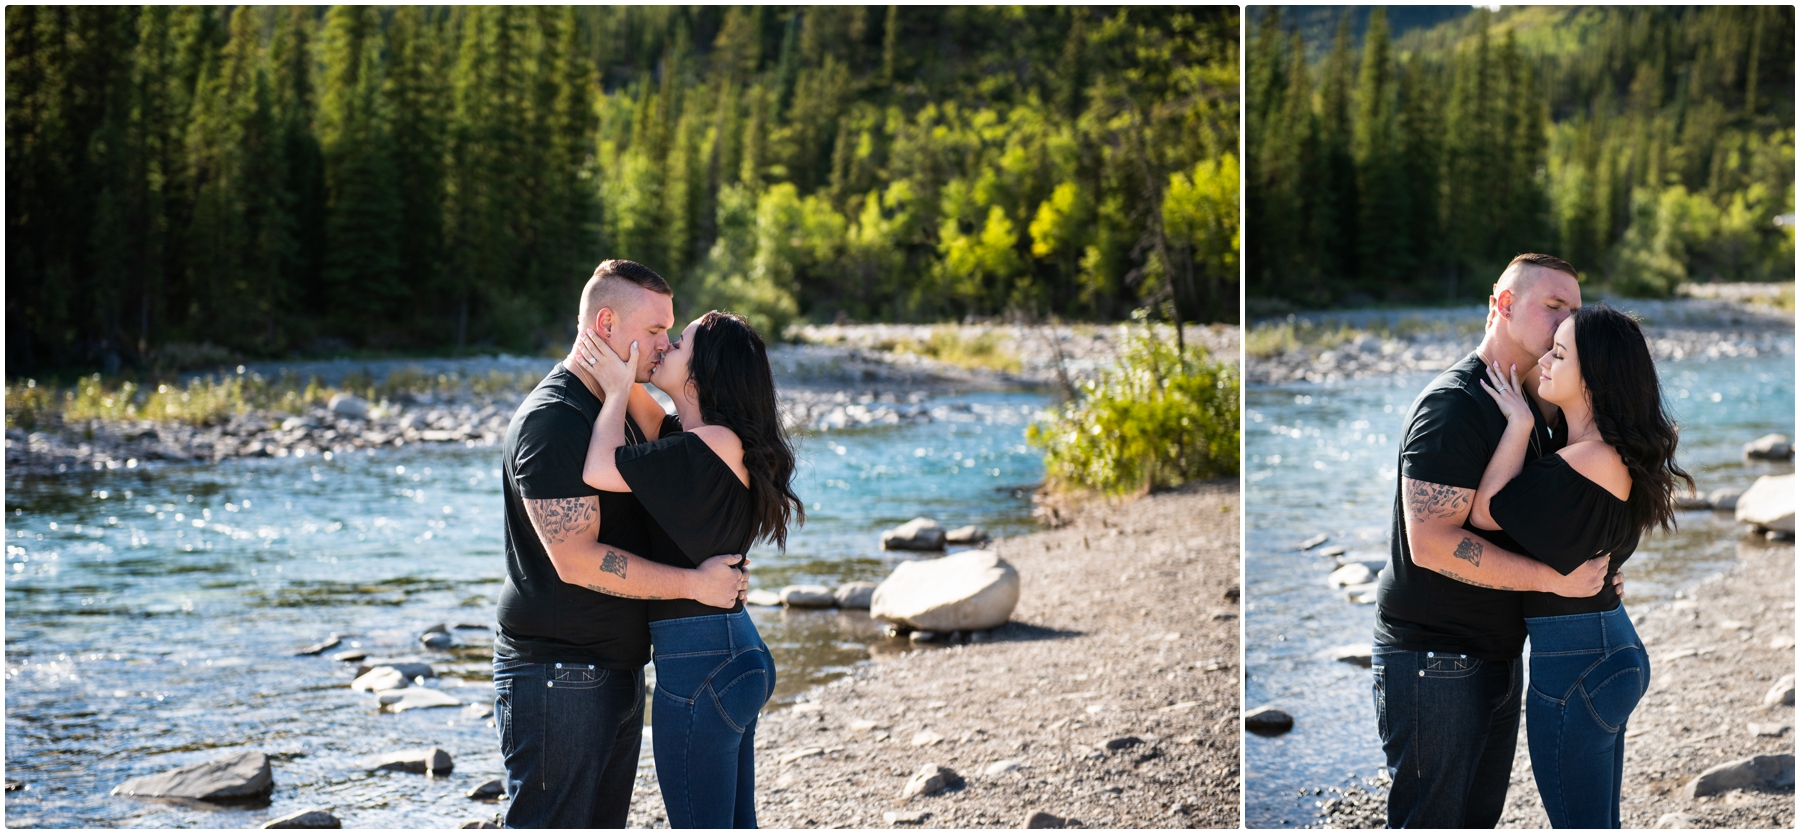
x: 1469, y: 551
x: 557, y: 519
x: 1467, y: 581
x: 613, y: 563
x: 1428, y: 500
x: 612, y: 593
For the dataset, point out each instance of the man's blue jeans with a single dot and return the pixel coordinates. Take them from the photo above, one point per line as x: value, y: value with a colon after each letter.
x: 1449, y: 725
x: 713, y: 675
x: 569, y: 735
x: 1588, y: 672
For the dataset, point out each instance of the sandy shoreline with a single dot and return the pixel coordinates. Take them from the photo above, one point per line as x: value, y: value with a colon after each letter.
x: 1715, y: 651
x: 1126, y: 629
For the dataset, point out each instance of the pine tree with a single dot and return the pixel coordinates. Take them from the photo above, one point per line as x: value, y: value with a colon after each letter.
x: 1420, y: 154
x: 414, y: 98
x: 1382, y: 250
x: 362, y: 262
x: 1337, y: 197
x: 291, y: 67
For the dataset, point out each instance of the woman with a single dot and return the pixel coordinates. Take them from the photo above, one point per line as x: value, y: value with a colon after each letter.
x: 1613, y: 480
x: 715, y: 487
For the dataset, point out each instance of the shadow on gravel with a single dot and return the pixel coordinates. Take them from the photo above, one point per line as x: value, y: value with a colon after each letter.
x: 1024, y: 632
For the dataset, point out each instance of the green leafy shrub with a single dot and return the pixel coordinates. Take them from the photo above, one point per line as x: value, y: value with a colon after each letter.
x: 29, y: 404
x: 1160, y: 419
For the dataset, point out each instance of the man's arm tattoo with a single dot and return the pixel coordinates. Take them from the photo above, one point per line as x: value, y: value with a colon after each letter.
x: 613, y: 563
x: 1428, y: 500
x: 610, y: 593
x: 559, y: 518
x: 1467, y: 581
x: 1469, y: 551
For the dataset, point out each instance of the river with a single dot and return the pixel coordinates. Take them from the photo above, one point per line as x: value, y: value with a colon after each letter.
x: 152, y: 614
x: 1321, y: 459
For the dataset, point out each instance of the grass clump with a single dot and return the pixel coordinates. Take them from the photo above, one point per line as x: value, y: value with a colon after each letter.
x: 201, y: 401
x: 950, y: 344
x: 1160, y: 419
x: 211, y: 400
x: 1273, y: 338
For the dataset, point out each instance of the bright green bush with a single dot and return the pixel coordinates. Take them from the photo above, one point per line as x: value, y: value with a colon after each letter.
x: 1160, y: 419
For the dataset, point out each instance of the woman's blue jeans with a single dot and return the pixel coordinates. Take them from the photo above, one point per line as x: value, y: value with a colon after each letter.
x: 713, y: 675
x: 1588, y: 672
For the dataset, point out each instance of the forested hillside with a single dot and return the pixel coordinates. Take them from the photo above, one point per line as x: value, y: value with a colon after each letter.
x: 270, y: 180
x: 1647, y: 145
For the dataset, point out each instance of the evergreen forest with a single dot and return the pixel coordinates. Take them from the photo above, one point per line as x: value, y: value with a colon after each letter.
x: 300, y: 181
x: 1648, y: 146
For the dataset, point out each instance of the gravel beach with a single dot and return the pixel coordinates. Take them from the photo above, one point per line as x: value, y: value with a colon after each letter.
x: 1715, y: 652
x: 1110, y: 700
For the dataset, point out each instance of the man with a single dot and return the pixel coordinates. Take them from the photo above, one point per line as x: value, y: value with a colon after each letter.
x: 574, y: 634
x: 1450, y: 623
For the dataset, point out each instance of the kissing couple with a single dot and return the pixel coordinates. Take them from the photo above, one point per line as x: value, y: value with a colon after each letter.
x: 626, y: 529
x: 1528, y: 473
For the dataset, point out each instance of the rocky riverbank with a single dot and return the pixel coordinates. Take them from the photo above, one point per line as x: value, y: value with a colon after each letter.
x: 1355, y: 344
x: 1715, y: 653
x: 1110, y: 699
x: 1718, y: 651
x: 837, y: 377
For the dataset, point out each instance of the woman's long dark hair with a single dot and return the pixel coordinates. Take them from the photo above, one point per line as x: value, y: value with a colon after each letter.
x: 1628, y: 410
x: 729, y: 367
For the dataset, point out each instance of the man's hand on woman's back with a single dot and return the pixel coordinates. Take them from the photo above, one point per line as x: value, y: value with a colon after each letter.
x: 719, y: 583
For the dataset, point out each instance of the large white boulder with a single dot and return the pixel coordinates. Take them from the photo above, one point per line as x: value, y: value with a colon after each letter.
x: 970, y: 591
x: 1769, y: 504
x: 919, y: 534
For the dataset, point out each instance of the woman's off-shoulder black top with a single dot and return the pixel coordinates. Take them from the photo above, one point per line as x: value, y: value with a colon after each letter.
x: 702, y: 508
x: 1563, y: 519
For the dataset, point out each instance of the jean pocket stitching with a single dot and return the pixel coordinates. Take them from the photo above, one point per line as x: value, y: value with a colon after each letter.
x: 674, y: 655
x: 1587, y: 696
x: 718, y: 695
x: 663, y: 692
x: 1449, y: 667
x: 576, y: 678
x: 1547, y: 696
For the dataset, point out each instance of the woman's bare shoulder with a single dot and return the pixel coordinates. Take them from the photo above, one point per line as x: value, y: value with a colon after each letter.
x: 720, y: 438
x: 727, y: 445
x: 1600, y: 463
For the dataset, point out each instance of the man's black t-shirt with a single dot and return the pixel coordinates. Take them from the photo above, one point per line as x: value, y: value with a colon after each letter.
x: 542, y: 618
x: 1450, y: 436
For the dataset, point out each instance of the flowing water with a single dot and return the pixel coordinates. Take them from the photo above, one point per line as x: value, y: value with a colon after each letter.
x: 1321, y: 459
x: 152, y: 614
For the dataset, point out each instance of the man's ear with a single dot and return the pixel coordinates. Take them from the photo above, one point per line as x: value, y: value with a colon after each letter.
x: 1503, y: 304
x: 604, y: 320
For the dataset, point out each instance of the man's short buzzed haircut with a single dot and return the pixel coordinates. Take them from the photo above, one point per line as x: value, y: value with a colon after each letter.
x: 606, y: 287
x: 1545, y: 261
x: 1519, y: 280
